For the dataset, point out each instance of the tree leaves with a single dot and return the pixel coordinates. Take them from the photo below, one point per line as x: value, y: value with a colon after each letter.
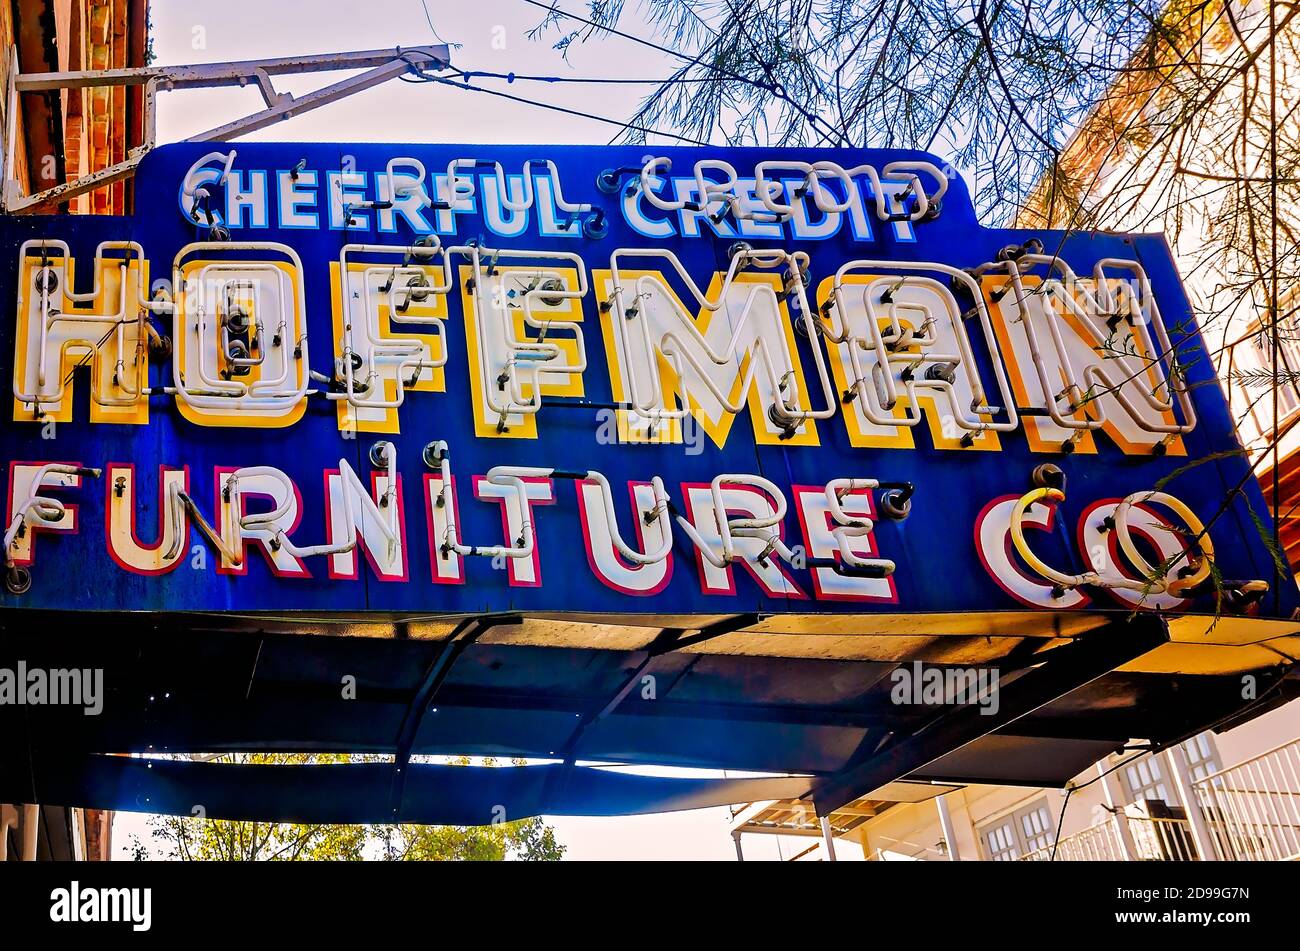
x: 221, y: 840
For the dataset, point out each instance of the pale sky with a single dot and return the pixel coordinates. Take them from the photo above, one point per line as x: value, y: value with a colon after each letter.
x: 494, y: 38
x: 199, y: 31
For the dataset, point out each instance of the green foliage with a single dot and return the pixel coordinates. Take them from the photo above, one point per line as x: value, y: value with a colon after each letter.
x: 1176, y: 116
x: 193, y: 838
x: 997, y: 85
x: 217, y: 840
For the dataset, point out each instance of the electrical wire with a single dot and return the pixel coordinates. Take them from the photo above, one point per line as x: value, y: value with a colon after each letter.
x: 1069, y: 791
x: 648, y: 130
x: 433, y: 29
x: 583, y: 80
x: 1157, y: 748
x: 556, y: 11
x: 772, y: 87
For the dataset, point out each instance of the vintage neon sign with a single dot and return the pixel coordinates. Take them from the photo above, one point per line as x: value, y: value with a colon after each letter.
x: 392, y: 355
x: 900, y: 342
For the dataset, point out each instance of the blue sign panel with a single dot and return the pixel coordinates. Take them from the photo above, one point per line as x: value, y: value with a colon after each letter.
x: 428, y: 379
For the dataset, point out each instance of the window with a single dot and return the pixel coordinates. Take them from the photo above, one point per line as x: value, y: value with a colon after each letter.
x: 1146, y: 776
x: 1000, y: 842
x: 1015, y: 836
x: 1036, y: 826
x: 1288, y: 344
x: 1146, y: 780
x: 1202, y: 756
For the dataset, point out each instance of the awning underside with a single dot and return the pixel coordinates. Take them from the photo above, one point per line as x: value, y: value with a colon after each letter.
x: 177, y: 685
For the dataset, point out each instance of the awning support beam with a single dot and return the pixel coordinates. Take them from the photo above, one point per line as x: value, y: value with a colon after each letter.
x: 1060, y: 671
x: 462, y: 637
x: 667, y: 641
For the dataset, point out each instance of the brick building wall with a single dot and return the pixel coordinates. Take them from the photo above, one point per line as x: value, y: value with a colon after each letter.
x: 59, y: 137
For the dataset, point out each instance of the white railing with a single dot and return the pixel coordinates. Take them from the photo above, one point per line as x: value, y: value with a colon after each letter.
x: 1253, y: 809
x: 1162, y: 840
x: 1154, y: 840
x: 1100, y: 843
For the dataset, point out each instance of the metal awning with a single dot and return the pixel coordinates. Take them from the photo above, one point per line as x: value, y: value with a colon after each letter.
x: 570, y: 692
x: 799, y: 816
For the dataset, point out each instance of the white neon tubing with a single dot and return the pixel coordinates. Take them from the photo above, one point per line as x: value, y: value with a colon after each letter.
x: 762, y: 527
x: 781, y: 382
x: 451, y: 536
x: 500, y: 475
x: 848, y: 527
x: 265, y: 522
x: 256, y: 330
x: 463, y: 187
x: 885, y: 355
x: 49, y: 317
x: 541, y: 356
x: 654, y: 517
x: 191, y: 189
x: 405, y: 353
x: 388, y: 501
x: 1148, y: 319
x: 725, y: 192
x: 39, y: 509
x: 1050, y: 394
x: 413, y: 182
x: 513, y: 476
x: 181, y: 508
x: 89, y: 296
x: 1065, y: 293
x: 907, y: 170
x: 812, y: 175
x: 1067, y: 287
x: 206, y: 282
x: 708, y: 192
x: 651, y: 170
x: 924, y: 200
x: 572, y: 208
x: 1200, y: 567
x: 222, y: 396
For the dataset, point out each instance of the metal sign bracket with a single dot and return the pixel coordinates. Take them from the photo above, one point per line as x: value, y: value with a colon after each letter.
x: 380, y: 66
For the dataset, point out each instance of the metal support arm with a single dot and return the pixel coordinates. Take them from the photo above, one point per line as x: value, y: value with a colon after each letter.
x: 380, y: 66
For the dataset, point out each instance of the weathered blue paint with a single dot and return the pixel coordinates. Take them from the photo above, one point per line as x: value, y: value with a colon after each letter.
x: 938, y: 567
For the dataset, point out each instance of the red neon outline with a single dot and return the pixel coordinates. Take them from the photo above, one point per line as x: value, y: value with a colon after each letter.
x: 112, y: 467
x: 33, y: 529
x: 640, y: 537
x: 799, y: 491
x: 260, y: 544
x: 435, y: 544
